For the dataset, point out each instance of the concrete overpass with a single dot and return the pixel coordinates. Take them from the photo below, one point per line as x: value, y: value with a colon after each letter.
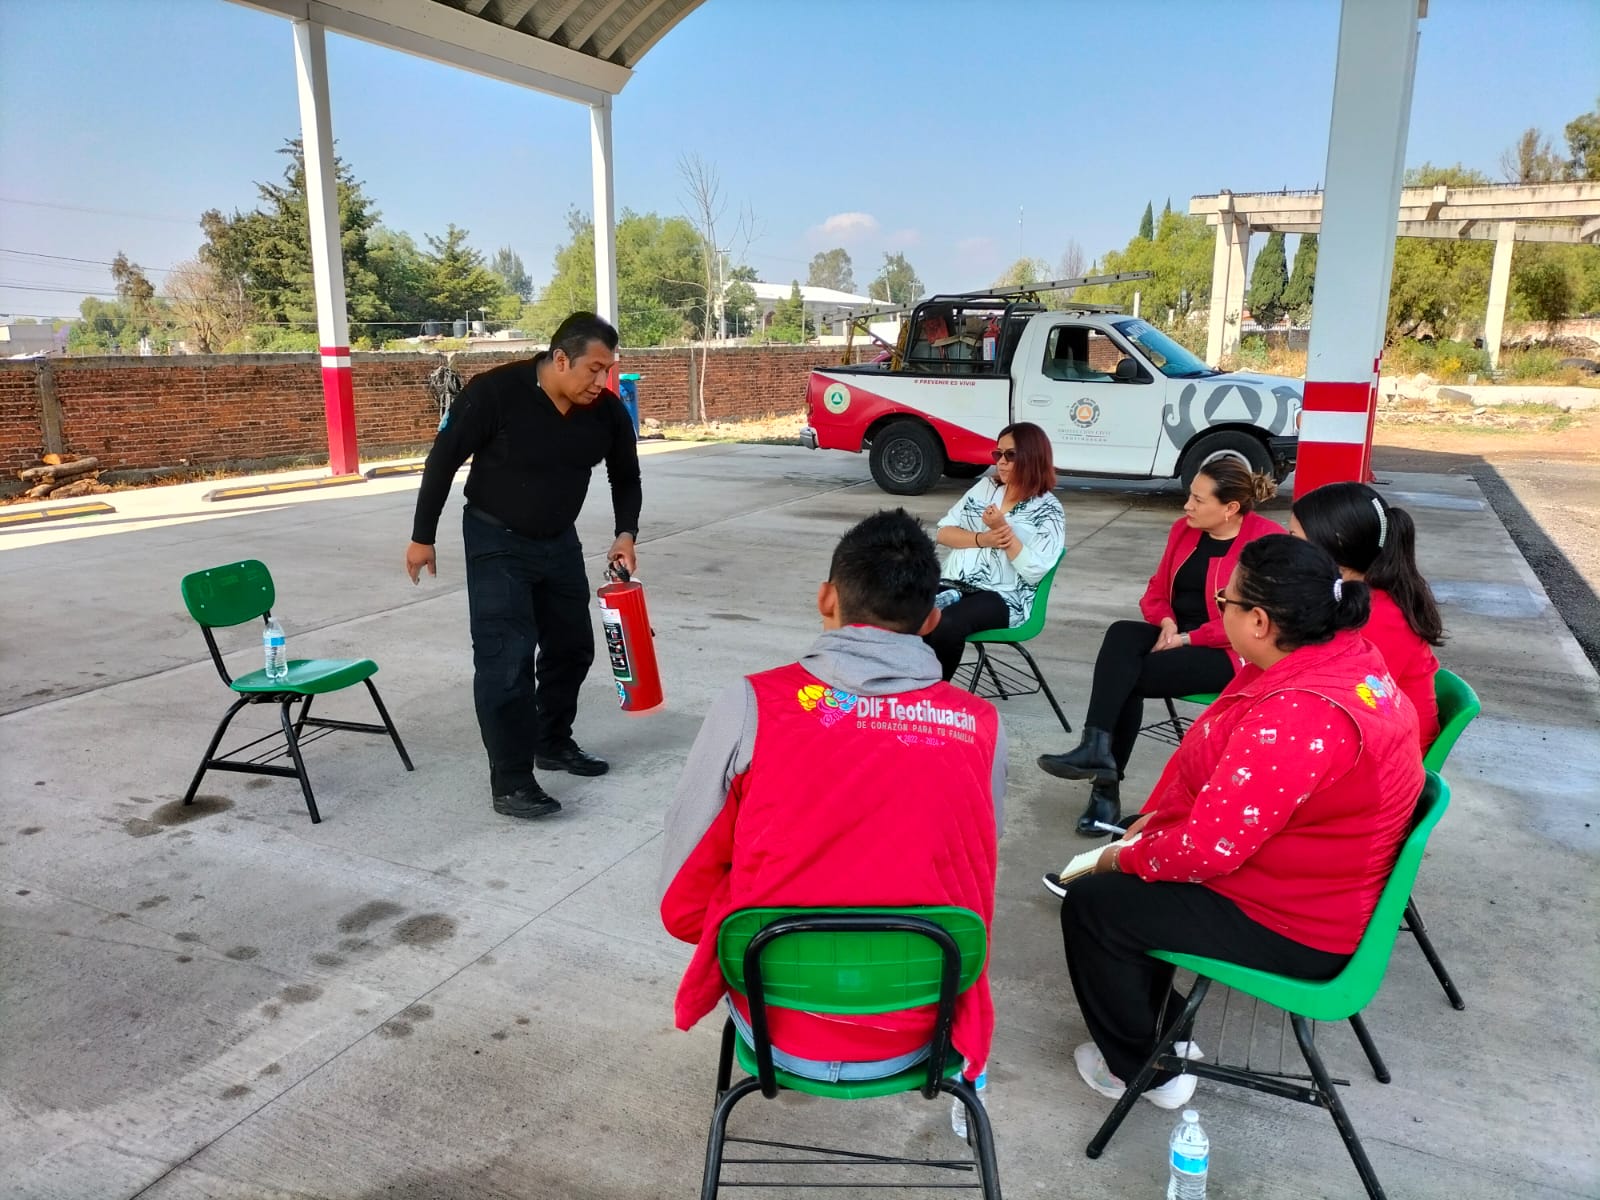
x: 1566, y: 213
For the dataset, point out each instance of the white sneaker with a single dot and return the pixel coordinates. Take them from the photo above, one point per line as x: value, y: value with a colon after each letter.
x: 1175, y: 1093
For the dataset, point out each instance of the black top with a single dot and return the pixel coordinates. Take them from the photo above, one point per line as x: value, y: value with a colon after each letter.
x: 530, y: 464
x: 1189, y: 583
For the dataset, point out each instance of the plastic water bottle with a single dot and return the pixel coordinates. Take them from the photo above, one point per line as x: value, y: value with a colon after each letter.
x: 958, y: 1110
x: 1190, y: 1155
x: 276, y: 650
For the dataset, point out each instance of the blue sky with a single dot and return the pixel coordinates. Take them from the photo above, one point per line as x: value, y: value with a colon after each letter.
x: 917, y: 125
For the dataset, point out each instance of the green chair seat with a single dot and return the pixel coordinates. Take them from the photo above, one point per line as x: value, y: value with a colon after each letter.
x: 310, y: 676
x: 908, y: 1080
x: 1001, y: 674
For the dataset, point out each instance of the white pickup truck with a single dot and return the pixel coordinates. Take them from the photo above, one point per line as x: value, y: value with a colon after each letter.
x: 1116, y: 396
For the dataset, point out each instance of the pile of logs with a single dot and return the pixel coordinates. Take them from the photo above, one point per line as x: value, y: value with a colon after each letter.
x: 58, y: 477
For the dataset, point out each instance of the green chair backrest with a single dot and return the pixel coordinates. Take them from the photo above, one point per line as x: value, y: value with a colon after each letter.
x: 230, y: 594
x: 854, y: 972
x: 1034, y: 625
x: 1348, y: 992
x: 1458, y: 705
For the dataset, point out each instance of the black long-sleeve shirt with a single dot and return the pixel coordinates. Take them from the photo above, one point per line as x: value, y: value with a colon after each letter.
x: 530, y: 464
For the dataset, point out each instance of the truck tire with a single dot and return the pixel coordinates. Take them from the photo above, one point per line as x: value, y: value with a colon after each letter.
x: 906, y: 458
x: 1251, y: 447
x: 957, y: 470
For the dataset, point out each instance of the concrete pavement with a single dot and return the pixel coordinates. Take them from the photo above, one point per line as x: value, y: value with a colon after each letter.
x: 417, y: 998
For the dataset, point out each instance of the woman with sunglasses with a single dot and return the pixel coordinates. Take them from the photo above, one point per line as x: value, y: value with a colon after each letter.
x: 1375, y: 543
x: 1179, y: 648
x: 1273, y: 828
x: 1004, y: 535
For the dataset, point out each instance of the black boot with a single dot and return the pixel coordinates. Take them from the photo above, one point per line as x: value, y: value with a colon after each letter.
x: 1105, y: 805
x: 1091, y: 760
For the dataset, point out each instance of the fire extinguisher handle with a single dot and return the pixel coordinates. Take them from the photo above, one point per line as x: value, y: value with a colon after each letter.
x: 618, y: 570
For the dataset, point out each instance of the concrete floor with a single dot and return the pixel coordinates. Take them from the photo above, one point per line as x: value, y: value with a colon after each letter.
x: 418, y: 999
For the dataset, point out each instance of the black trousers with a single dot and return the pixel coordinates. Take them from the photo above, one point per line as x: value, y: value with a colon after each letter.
x: 1126, y: 672
x: 1109, y: 921
x: 532, y: 643
x: 970, y: 614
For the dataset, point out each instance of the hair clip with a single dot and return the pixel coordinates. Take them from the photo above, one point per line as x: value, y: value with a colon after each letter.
x: 1383, y: 522
x: 1338, y: 590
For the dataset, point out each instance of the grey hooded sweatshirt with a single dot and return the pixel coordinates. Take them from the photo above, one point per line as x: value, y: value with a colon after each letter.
x: 860, y: 659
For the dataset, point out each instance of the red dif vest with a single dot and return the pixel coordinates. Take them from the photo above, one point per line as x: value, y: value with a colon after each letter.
x: 858, y: 800
x: 1317, y: 879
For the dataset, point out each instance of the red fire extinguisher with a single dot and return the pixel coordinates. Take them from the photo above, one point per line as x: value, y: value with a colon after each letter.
x: 630, y: 642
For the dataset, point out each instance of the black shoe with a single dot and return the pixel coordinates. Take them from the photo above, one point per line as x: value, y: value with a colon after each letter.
x: 1091, y: 760
x: 1105, y: 804
x: 530, y: 801
x: 571, y: 759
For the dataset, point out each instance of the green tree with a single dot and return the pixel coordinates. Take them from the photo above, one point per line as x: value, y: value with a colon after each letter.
x: 832, y: 269
x: 1544, y: 283
x: 404, y: 282
x: 1147, y: 224
x: 458, y: 279
x: 1437, y: 284
x: 739, y: 302
x: 1179, y: 257
x: 266, y: 252
x: 1269, y: 279
x: 1297, y: 295
x: 1583, y: 144
x: 507, y: 264
x: 1023, y: 272
x: 1530, y: 159
x: 897, y: 281
x: 789, y: 323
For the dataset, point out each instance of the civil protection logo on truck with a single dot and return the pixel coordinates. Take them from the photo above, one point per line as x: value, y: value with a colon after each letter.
x: 837, y: 398
x: 1085, y: 413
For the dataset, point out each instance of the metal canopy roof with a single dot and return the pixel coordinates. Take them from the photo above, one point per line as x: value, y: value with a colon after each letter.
x: 583, y: 50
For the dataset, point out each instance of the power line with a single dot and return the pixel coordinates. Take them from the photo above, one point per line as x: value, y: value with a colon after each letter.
x: 100, y: 212
x: 93, y: 262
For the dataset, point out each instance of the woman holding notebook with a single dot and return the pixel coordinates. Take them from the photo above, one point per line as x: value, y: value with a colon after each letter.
x: 1274, y: 826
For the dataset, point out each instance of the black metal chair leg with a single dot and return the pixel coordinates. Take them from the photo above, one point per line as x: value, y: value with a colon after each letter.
x: 300, y: 721
x: 1172, y: 715
x: 1420, y: 932
x: 980, y: 1135
x: 985, y: 665
x: 1130, y: 1096
x: 1371, y: 1048
x: 216, y: 740
x: 725, y: 1061
x: 299, y: 763
x: 710, y: 1182
x: 1347, y: 1131
x: 388, y: 724
x: 1044, y: 687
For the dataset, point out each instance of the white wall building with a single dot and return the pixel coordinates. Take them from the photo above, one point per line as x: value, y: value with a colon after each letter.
x: 825, y: 308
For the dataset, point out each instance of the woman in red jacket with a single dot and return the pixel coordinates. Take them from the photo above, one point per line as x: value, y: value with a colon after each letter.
x: 1273, y: 828
x: 1180, y: 647
x: 1375, y: 542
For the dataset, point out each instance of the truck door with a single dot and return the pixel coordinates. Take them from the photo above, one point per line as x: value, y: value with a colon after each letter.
x: 1100, y: 403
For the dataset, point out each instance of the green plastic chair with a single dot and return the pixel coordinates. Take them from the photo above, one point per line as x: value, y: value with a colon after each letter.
x: 857, y: 961
x: 1000, y: 678
x: 242, y: 591
x: 1338, y: 999
x: 1458, y: 705
x: 1172, y: 727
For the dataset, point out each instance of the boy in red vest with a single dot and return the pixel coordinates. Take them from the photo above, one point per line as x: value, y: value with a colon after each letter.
x: 852, y: 777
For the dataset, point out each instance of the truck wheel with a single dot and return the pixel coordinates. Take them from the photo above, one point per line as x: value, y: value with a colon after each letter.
x: 906, y: 458
x: 957, y: 470
x: 1230, y: 441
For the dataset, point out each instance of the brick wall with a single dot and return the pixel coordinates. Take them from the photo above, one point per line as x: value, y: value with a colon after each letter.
x: 168, y: 413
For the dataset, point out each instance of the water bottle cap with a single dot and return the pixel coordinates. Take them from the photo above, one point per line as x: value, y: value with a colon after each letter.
x: 1189, y: 1114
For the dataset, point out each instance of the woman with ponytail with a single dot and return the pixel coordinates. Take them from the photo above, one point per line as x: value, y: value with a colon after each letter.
x: 1375, y: 543
x: 1273, y: 828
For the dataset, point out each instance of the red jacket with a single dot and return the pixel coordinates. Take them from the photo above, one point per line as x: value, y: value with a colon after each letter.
x: 1181, y: 541
x: 1410, y: 661
x: 1291, y: 794
x: 849, y: 800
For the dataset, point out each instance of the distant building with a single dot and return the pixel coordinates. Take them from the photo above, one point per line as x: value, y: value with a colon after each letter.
x: 19, y: 339
x: 825, y: 308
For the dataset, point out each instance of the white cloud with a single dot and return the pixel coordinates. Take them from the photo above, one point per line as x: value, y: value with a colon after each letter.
x: 847, y: 226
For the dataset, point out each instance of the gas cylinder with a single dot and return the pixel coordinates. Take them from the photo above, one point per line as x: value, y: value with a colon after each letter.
x: 630, y: 642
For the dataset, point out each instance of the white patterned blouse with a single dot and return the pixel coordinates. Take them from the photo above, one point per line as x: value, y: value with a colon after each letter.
x: 1039, y: 523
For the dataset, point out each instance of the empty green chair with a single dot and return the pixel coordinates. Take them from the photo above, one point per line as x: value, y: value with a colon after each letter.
x: 1338, y: 999
x: 1008, y: 681
x: 242, y: 591
x: 858, y: 961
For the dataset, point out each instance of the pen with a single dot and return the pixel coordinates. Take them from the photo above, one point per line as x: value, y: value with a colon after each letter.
x: 1108, y: 828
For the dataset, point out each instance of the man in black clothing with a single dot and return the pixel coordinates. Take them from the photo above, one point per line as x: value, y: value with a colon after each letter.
x: 535, y: 430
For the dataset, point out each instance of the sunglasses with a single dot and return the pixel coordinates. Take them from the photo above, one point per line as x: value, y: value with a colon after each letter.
x: 1000, y: 456
x: 1222, y: 602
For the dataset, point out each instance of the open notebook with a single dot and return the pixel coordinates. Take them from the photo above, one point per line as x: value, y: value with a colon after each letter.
x: 1082, y: 864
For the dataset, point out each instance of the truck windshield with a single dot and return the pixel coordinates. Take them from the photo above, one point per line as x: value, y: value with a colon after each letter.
x: 1171, y: 359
